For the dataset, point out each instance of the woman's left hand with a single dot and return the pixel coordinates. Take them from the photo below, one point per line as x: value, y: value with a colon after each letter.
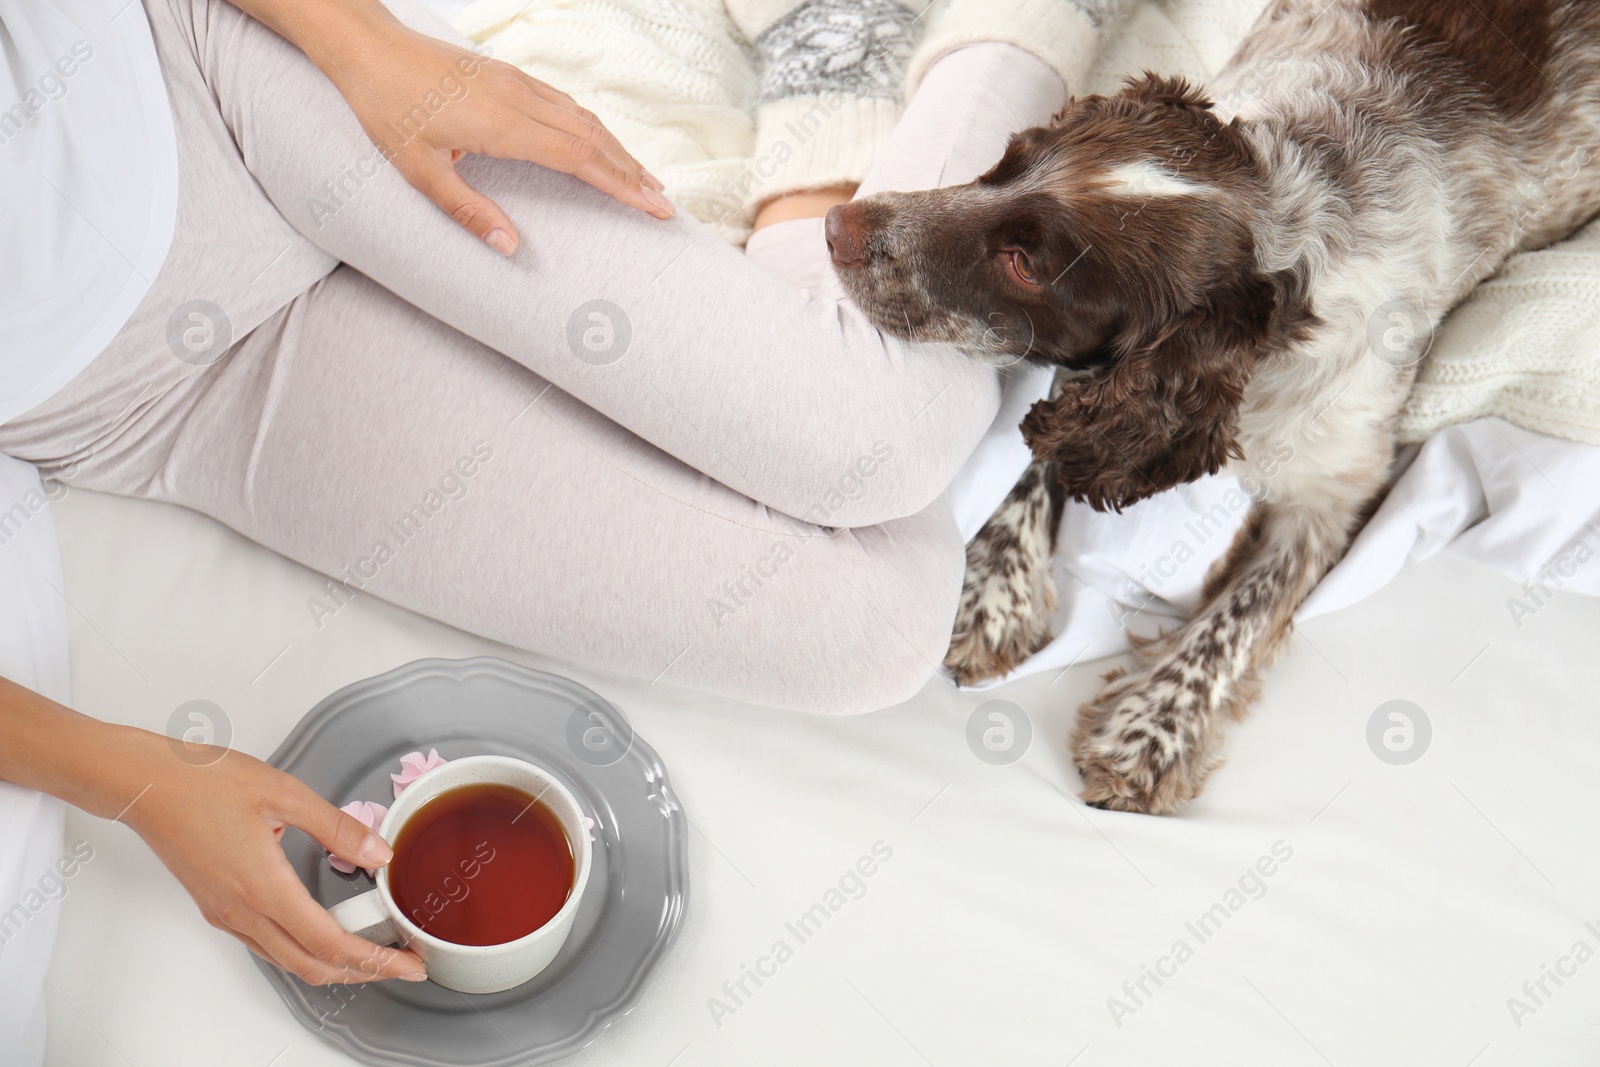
x: 426, y: 103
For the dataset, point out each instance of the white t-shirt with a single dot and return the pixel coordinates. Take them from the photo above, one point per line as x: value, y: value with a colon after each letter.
x: 33, y: 653
x: 88, y: 185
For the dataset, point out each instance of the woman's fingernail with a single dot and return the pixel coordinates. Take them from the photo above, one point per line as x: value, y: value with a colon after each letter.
x: 414, y: 976
x: 653, y: 182
x: 663, y: 206
x: 500, y: 241
x: 375, y: 851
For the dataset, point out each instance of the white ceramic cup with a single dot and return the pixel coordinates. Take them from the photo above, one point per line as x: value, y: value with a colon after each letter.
x: 474, y: 968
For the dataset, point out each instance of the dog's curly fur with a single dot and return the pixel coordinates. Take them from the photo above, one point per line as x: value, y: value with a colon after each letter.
x: 1008, y: 595
x: 1211, y: 281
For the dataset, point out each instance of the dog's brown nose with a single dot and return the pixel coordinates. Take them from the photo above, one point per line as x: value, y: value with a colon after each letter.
x: 847, y: 242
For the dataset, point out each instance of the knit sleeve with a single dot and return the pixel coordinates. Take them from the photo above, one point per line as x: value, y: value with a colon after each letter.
x: 1066, y: 34
x: 832, y: 76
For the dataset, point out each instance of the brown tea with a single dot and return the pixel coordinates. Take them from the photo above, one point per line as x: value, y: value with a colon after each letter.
x: 481, y: 865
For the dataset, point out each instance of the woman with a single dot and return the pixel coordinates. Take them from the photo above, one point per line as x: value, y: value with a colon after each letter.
x: 541, y: 408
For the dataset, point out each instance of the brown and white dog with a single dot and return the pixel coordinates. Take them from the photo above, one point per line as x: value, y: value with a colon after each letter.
x: 1247, y: 284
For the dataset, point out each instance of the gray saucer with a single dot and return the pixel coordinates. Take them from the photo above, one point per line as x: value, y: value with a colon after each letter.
x: 346, y: 748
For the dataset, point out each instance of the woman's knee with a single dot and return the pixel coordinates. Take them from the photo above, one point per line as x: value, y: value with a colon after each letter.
x: 892, y: 465
x: 866, y: 622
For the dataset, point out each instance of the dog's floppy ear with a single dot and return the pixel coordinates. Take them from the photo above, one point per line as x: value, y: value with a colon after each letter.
x: 1151, y: 88
x: 1148, y: 88
x: 1165, y: 411
x: 1071, y: 109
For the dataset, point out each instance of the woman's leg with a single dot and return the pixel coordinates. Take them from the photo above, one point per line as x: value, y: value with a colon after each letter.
x: 367, y: 440
x: 660, y: 326
x: 327, y: 427
x: 955, y: 128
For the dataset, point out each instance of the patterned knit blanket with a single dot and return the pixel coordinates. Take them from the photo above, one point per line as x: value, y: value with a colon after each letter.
x: 678, y: 84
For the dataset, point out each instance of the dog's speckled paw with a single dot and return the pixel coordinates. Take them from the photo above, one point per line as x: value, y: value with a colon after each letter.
x: 1008, y: 596
x: 988, y: 643
x: 1144, y: 745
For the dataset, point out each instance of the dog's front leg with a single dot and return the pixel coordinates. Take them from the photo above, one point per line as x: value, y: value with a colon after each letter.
x: 1008, y: 596
x: 1148, y: 742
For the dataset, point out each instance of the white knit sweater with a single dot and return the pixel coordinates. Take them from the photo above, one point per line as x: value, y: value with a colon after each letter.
x: 832, y: 87
x: 735, y: 102
x: 675, y: 81
x: 714, y: 96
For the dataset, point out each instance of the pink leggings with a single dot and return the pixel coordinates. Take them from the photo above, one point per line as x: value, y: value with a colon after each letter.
x: 628, y: 446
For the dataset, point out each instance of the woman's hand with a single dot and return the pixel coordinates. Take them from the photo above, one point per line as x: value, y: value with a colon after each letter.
x: 426, y: 103
x: 217, y: 827
x: 805, y: 204
x: 215, y: 817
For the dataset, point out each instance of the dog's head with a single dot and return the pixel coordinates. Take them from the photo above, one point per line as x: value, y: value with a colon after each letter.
x: 1116, y: 243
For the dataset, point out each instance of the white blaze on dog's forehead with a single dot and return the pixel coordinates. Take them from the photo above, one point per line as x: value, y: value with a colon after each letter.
x: 1149, y: 178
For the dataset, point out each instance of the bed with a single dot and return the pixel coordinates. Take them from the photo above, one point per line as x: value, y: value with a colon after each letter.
x: 1326, y: 901
x: 1406, y: 909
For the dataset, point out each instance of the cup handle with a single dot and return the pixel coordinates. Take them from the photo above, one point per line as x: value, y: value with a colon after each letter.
x: 365, y: 917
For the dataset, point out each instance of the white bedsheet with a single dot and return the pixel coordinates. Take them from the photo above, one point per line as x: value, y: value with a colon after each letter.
x: 1416, y: 901
x: 1486, y: 491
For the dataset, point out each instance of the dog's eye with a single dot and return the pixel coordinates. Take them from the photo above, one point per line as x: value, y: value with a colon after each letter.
x: 1022, y: 267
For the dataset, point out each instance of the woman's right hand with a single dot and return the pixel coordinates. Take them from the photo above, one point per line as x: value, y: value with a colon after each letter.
x: 215, y: 817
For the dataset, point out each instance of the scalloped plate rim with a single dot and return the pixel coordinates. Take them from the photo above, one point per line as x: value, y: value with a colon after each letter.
x: 598, y: 1020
